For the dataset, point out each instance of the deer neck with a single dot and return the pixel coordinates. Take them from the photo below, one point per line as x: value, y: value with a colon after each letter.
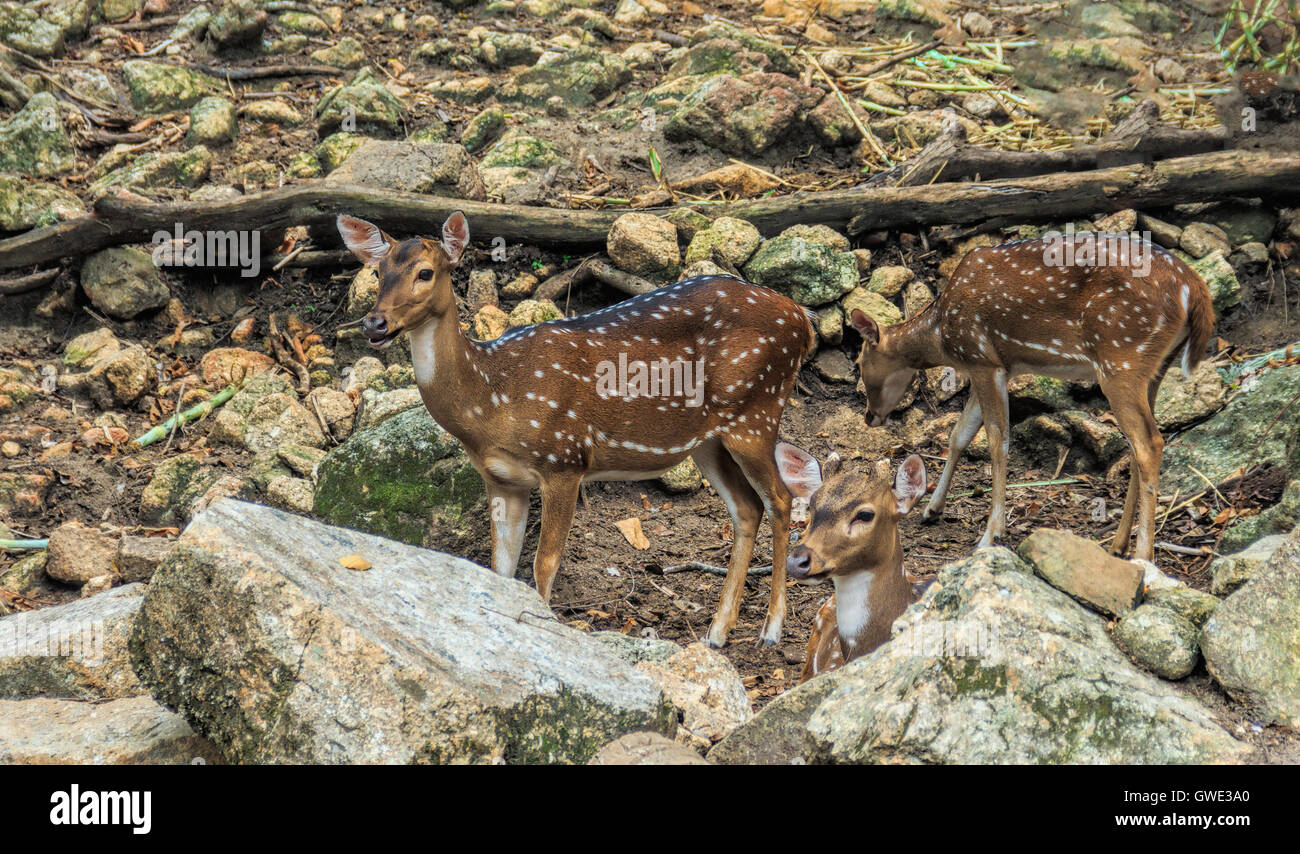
x: 447, y: 372
x: 868, y: 601
x: 916, y: 341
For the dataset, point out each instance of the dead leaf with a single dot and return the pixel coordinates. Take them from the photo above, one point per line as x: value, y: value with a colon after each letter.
x: 356, y: 563
x: 631, y: 530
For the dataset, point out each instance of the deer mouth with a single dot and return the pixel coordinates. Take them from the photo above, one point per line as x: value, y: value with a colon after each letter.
x: 383, y: 341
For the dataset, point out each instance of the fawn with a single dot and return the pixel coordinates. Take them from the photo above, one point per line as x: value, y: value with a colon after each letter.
x: 533, y: 408
x: 852, y: 539
x: 1017, y: 308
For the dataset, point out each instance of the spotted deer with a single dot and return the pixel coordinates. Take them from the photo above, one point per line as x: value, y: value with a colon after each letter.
x: 851, y: 539
x: 712, y: 360
x: 1105, y: 307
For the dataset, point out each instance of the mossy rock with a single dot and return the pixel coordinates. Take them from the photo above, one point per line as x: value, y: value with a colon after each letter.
x: 406, y: 479
x: 25, y: 204
x: 34, y: 141
x: 811, y: 274
x: 156, y: 87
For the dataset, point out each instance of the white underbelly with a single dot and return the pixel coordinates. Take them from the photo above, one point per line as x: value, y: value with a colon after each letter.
x: 624, y: 475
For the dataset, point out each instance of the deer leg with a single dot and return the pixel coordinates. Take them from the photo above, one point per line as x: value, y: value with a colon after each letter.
x: 508, y: 510
x: 746, y: 511
x: 958, y: 440
x: 559, y: 500
x: 1132, y: 410
x: 1123, y: 533
x: 758, y: 463
x: 991, y: 390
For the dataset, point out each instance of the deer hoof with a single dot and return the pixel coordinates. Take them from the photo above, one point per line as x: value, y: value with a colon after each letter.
x: 931, y: 514
x: 716, y: 638
x: 771, y: 635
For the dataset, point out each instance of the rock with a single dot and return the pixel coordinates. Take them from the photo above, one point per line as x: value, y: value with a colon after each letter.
x: 833, y: 366
x: 430, y: 168
x: 1163, y: 233
x: 1194, y: 606
x: 811, y: 274
x: 682, y: 478
x: 30, y: 32
x: 236, y: 23
x: 830, y: 325
x: 123, y: 282
x: 1170, y: 71
x: 916, y: 296
x: 212, y: 122
x: 976, y: 25
x: 646, y: 245
x: 742, y: 115
x: 481, y: 290
x: 361, y: 105
x: 889, y: 281
x: 78, y: 553
x: 306, y: 23
x: 133, y: 731
x: 165, y: 169
x: 405, y: 478
x: 34, y: 141
x: 1159, y: 639
x: 1035, y: 393
x: 1181, y: 401
x: 780, y: 60
x: 25, y: 203
x: 377, y: 407
x: 490, y: 322
x: 818, y: 234
x: 992, y: 666
x: 157, y: 87
x: 179, y: 486
x: 579, y: 77
x: 425, y: 671
x: 74, y: 651
x: 480, y: 129
x: 1119, y: 222
x: 26, y: 577
x: 733, y: 239
x: 337, y: 410
x: 777, y: 734
x: 1250, y: 642
x: 531, y: 311
x: 1200, y: 239
x: 290, y: 493
x: 273, y: 112
x: 138, y: 557
x: 346, y: 53
x: 1278, y: 519
x: 24, y: 494
x: 336, y: 148
x: 264, y: 415
x: 707, y: 691
x: 645, y: 748
x: 88, y: 347
x: 1219, y: 278
x: 872, y: 304
x: 226, y: 365
x: 1233, y: 570
x: 1084, y: 570
x: 515, y: 167
x: 502, y: 50
x: 1236, y: 436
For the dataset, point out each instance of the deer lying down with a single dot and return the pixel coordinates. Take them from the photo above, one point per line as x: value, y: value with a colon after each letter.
x: 852, y: 539
x: 541, y: 408
x: 1108, y: 307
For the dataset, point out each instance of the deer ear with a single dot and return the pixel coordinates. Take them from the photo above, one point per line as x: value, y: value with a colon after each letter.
x: 800, y: 471
x: 455, y: 236
x: 366, y: 241
x: 909, y: 484
x: 866, y: 327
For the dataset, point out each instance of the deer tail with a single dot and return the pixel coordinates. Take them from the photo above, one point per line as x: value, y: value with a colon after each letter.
x: 1200, y: 327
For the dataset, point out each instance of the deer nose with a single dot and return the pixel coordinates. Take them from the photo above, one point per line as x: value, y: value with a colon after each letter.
x: 799, y: 563
x: 375, y: 325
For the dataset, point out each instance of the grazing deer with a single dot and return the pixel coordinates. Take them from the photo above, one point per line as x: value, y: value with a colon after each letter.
x: 1109, y: 307
x: 852, y: 539
x: 712, y: 359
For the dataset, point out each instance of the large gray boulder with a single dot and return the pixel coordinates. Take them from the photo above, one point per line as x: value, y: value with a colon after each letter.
x: 993, y: 665
x: 432, y: 168
x: 76, y: 651
x: 1251, y: 643
x: 268, y: 645
x: 132, y: 731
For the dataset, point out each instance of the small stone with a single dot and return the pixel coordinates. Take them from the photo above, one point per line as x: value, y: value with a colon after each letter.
x: 833, y: 366
x: 1170, y: 71
x: 1231, y: 571
x: 872, y: 304
x: 229, y: 365
x: 291, y: 493
x: 482, y: 290
x: 123, y: 282
x: 1160, y: 640
x: 735, y: 240
x: 212, y: 122
x: 646, y: 245
x: 1085, y: 571
x: 490, y: 322
x: 1200, y: 239
x: 889, y: 281
x: 682, y: 478
x: 11, y: 449
x: 77, y: 553
x: 87, y: 348
x: 532, y: 311
x: 1194, y: 606
x: 139, y: 557
x: 976, y: 25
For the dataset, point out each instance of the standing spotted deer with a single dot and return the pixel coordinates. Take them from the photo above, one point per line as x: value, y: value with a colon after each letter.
x: 1108, y: 307
x: 538, y: 408
x: 851, y: 539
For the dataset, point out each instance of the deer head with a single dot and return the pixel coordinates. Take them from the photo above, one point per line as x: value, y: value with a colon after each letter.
x: 853, y: 517
x: 414, y: 275
x: 885, y: 376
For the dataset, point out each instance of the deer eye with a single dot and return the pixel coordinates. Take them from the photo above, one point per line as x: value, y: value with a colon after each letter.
x: 864, y: 516
x: 424, y: 275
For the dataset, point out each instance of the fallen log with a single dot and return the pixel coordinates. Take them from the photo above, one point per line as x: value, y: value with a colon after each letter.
x: 1139, y: 138
x: 125, y: 218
